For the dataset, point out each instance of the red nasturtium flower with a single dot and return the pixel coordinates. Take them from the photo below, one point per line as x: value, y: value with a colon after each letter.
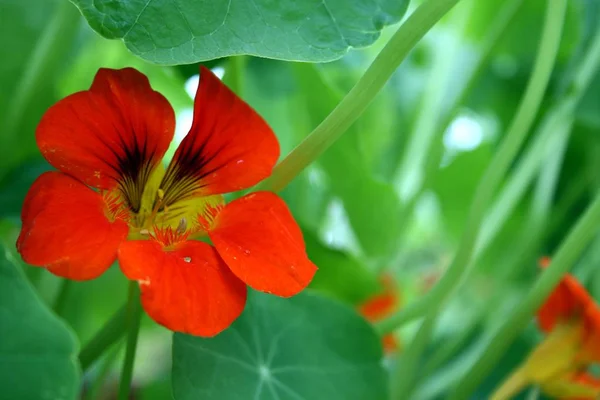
x: 570, y: 318
x: 381, y: 306
x: 113, y: 198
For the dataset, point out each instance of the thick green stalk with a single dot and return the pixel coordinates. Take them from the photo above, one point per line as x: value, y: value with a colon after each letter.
x: 488, y: 185
x: 361, y: 95
x: 544, y: 144
x: 110, y: 333
x: 557, y: 121
x: 134, y: 315
x: 61, y: 297
x: 568, y: 252
x: 235, y: 74
x: 95, y: 390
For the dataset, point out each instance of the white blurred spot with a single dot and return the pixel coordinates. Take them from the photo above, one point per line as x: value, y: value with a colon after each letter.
x: 336, y: 231
x: 184, y: 123
x: 316, y: 177
x: 144, y: 282
x: 187, y: 259
x: 264, y: 372
x: 465, y: 133
x: 191, y: 85
x: 219, y: 72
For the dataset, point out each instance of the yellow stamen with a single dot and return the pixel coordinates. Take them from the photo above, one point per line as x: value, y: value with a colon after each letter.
x: 553, y: 359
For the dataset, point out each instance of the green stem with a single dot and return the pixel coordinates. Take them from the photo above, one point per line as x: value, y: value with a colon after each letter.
x: 545, y: 188
x: 557, y: 121
x: 410, y: 174
x: 492, y: 38
x: 361, y: 95
x: 411, y: 312
x: 134, y: 315
x: 95, y: 390
x: 545, y: 143
x: 453, y: 345
x: 517, y: 132
x: 234, y: 74
x: 505, y: 17
x: 61, y: 298
x: 570, y: 249
x: 110, y: 333
x: 534, y: 393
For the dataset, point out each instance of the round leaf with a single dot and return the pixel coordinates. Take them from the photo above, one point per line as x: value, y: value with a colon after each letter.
x: 37, y: 351
x: 187, y: 31
x: 306, y: 347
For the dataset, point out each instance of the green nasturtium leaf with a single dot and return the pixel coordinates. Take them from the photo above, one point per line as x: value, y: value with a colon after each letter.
x: 187, y: 31
x: 38, y: 352
x: 305, y: 347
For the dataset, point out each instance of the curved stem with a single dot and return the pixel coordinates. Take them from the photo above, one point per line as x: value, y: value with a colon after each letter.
x: 62, y: 296
x: 413, y: 311
x: 410, y: 173
x: 489, y: 43
x: 361, y: 95
x: 95, y: 390
x: 110, y: 333
x: 134, y: 315
x: 234, y: 74
x: 570, y: 249
x: 517, y: 132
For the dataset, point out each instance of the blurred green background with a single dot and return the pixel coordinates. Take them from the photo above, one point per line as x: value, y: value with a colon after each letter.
x: 391, y: 195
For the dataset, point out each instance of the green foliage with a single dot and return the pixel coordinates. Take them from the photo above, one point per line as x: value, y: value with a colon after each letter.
x: 187, y: 31
x: 36, y: 37
x: 37, y: 350
x: 348, y: 201
x: 294, y: 348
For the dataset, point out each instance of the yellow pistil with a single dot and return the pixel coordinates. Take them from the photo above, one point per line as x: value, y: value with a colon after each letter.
x: 548, y: 365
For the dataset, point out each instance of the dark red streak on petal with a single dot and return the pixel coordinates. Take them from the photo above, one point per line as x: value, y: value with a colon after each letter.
x: 229, y: 146
x: 111, y: 135
x: 66, y: 228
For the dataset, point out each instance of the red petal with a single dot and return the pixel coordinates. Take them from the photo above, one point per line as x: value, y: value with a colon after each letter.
x: 229, y: 147
x: 568, y: 300
x: 261, y: 243
x: 389, y: 343
x: 65, y: 228
x: 188, y: 289
x: 383, y: 304
x: 592, y: 332
x: 116, y: 130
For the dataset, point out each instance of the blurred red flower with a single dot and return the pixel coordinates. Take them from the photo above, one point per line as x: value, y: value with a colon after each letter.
x: 381, y: 306
x: 570, y: 318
